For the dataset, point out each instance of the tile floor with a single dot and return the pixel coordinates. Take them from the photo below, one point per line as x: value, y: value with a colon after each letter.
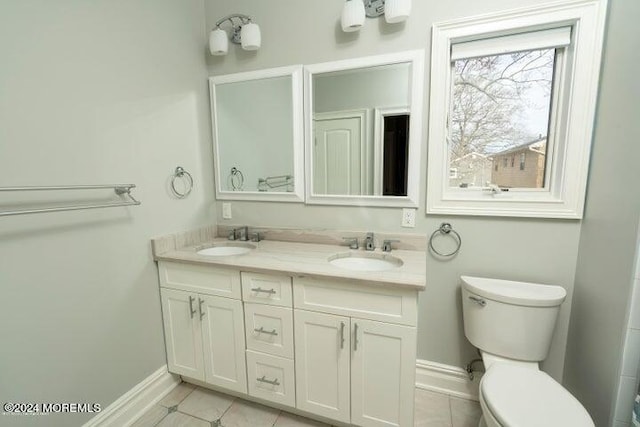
x: 191, y: 406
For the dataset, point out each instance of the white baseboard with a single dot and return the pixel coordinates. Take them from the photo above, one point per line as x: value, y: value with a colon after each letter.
x: 446, y: 379
x: 433, y: 376
x: 131, y: 405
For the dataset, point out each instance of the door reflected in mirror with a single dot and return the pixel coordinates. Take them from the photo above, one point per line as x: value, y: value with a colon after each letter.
x: 363, y: 130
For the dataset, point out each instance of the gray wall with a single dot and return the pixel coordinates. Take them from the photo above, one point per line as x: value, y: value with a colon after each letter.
x: 295, y: 32
x: 608, y: 239
x: 378, y: 87
x: 94, y: 92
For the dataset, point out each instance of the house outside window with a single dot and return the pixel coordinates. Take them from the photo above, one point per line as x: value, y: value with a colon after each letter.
x: 531, y: 173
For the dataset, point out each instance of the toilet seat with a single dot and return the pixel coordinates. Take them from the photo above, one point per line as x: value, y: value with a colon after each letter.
x: 520, y: 397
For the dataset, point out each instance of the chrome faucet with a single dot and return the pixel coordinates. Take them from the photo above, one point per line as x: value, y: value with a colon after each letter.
x: 369, y: 242
x: 244, y: 233
x: 352, y: 242
x: 241, y: 233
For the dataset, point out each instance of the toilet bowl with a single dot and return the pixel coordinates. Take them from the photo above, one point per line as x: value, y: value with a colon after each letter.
x: 512, y: 324
x: 516, y: 396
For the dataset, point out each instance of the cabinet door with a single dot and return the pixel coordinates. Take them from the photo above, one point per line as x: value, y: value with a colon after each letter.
x: 223, y: 341
x: 382, y: 374
x: 322, y: 344
x: 182, y: 333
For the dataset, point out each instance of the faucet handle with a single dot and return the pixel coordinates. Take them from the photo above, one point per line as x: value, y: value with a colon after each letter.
x: 386, y: 244
x: 352, y: 241
x: 244, y: 233
x: 233, y: 235
x: 256, y: 236
x: 370, y: 243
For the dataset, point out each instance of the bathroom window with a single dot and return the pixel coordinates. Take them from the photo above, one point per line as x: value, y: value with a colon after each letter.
x: 518, y: 86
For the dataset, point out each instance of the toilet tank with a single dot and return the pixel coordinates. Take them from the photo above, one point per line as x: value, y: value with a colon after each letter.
x: 510, y: 319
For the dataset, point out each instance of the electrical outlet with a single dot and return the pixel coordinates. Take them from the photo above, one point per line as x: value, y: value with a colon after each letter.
x: 226, y: 211
x: 408, y: 218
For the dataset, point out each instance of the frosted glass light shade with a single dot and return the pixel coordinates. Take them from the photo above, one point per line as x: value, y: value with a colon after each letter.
x: 397, y: 10
x: 352, y: 16
x: 218, y: 42
x: 250, y: 36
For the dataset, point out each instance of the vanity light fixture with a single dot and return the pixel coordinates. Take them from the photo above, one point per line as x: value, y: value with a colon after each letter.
x: 352, y: 16
x: 243, y: 32
x: 354, y: 12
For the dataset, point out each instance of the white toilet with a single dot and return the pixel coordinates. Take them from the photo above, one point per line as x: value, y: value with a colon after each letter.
x: 512, y: 323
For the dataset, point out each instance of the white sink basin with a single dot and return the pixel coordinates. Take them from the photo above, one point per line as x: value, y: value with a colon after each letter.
x: 365, y: 261
x: 226, y: 249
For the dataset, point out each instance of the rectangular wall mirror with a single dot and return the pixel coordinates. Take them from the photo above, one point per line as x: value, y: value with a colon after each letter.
x: 258, y: 135
x: 363, y: 126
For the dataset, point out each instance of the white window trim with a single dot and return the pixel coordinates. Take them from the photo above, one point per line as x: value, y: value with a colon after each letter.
x: 564, y: 198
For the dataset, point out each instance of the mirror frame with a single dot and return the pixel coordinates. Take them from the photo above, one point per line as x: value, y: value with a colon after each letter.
x: 297, y: 196
x: 416, y: 59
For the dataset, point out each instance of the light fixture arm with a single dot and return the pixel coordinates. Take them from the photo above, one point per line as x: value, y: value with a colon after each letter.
x: 236, y: 26
x: 374, y: 8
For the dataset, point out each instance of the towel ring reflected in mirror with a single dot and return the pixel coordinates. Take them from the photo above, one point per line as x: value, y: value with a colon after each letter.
x: 236, y: 178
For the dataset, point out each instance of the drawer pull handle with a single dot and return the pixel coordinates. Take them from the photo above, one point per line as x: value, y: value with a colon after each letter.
x: 355, y: 337
x: 478, y: 301
x: 202, y: 313
x: 266, y: 291
x: 191, y: 300
x: 262, y: 331
x: 341, y: 335
x: 265, y: 380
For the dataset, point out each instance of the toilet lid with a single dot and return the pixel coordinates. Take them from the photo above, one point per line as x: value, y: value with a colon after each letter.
x: 524, y: 397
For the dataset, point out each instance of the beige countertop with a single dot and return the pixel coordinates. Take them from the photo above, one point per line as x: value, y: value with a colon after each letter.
x: 308, y: 259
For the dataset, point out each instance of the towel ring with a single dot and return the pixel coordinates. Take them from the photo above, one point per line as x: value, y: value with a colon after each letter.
x: 446, y: 229
x: 184, y: 176
x: 237, y: 179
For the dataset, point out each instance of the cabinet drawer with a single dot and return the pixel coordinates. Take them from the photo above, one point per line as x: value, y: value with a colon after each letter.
x: 393, y: 305
x: 266, y: 289
x: 271, y: 378
x: 203, y: 279
x: 269, y: 329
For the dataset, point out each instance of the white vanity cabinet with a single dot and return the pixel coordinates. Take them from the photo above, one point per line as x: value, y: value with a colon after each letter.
x: 269, y: 331
x: 204, y: 333
x: 340, y: 349
x: 349, y: 367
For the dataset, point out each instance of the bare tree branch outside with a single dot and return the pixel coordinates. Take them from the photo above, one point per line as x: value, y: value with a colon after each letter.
x: 499, y: 103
